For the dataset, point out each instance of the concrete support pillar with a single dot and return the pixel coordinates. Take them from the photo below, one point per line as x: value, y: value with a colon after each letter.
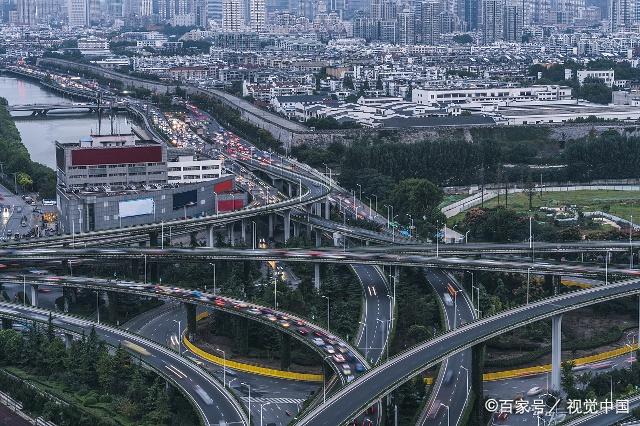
x: 210, y: 237
x: 318, y: 238
x: 112, y: 304
x: 296, y: 229
x: 477, y: 364
x: 67, y: 298
x: 232, y: 240
x: 317, y: 209
x: 327, y: 209
x: 68, y: 340
x: 271, y: 225
x: 285, y: 351
x: 556, y: 351
x: 290, y: 189
x: 153, y: 239
x: 190, y: 310
x: 287, y: 225
x: 34, y: 295
x: 7, y: 323
x: 154, y: 272
x: 243, y: 230
x: 133, y: 273
x: 316, y: 275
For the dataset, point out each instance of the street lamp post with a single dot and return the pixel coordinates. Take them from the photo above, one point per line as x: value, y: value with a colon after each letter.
x: 382, y: 339
x: 448, y: 420
x: 388, y: 216
x: 324, y: 383
x: 631, y: 244
x: 262, y: 405
x: 224, y: 366
x: 359, y: 187
x: 366, y: 338
x: 249, y: 386
x: 254, y: 233
x: 466, y: 371
x: 327, y: 311
x: 528, y: 281
x: 455, y: 309
x: 376, y: 197
x: 98, y: 305
x: 179, y: 335
x: 275, y: 290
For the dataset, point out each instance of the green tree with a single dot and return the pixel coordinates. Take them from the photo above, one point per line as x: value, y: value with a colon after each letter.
x: 568, y: 380
x: 463, y: 39
x: 24, y: 180
x: 594, y: 90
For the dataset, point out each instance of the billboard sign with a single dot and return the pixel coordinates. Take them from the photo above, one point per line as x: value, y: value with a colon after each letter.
x: 136, y: 207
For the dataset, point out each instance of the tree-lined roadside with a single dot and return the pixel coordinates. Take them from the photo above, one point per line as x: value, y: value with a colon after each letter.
x: 15, y: 158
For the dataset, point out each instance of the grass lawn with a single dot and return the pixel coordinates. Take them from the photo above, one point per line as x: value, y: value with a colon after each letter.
x: 99, y: 409
x: 450, y: 199
x: 619, y: 203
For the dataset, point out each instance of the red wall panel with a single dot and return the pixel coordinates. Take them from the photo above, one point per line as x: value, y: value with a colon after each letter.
x: 230, y: 205
x: 100, y: 156
x: 225, y: 186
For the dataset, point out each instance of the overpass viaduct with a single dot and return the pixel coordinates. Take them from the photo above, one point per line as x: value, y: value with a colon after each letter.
x: 189, y: 378
x: 44, y: 109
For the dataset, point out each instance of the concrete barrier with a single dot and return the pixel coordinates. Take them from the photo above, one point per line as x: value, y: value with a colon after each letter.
x: 250, y: 368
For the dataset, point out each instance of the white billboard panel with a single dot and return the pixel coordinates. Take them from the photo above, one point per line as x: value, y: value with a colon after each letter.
x: 136, y: 207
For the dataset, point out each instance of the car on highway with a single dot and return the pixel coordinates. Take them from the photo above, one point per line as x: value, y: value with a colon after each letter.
x: 536, y: 390
x: 329, y: 349
x: 446, y: 297
x: 317, y: 341
x: 502, y: 417
x: 338, y: 358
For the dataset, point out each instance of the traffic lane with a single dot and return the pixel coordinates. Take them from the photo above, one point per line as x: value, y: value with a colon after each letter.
x: 454, y: 384
x: 341, y: 406
x: 308, y: 333
x: 160, y: 325
x: 304, y: 255
x: 509, y: 388
x: 378, y: 311
x: 185, y: 375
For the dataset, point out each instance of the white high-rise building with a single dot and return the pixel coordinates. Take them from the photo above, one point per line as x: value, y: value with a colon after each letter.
x: 232, y: 15
x: 26, y: 12
x: 621, y: 15
x: 146, y: 7
x: 431, y: 26
x: 492, y: 21
x: 258, y: 11
x: 78, y: 12
x: 406, y: 27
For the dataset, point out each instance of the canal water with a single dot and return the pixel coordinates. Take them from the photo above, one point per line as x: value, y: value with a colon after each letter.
x: 39, y: 134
